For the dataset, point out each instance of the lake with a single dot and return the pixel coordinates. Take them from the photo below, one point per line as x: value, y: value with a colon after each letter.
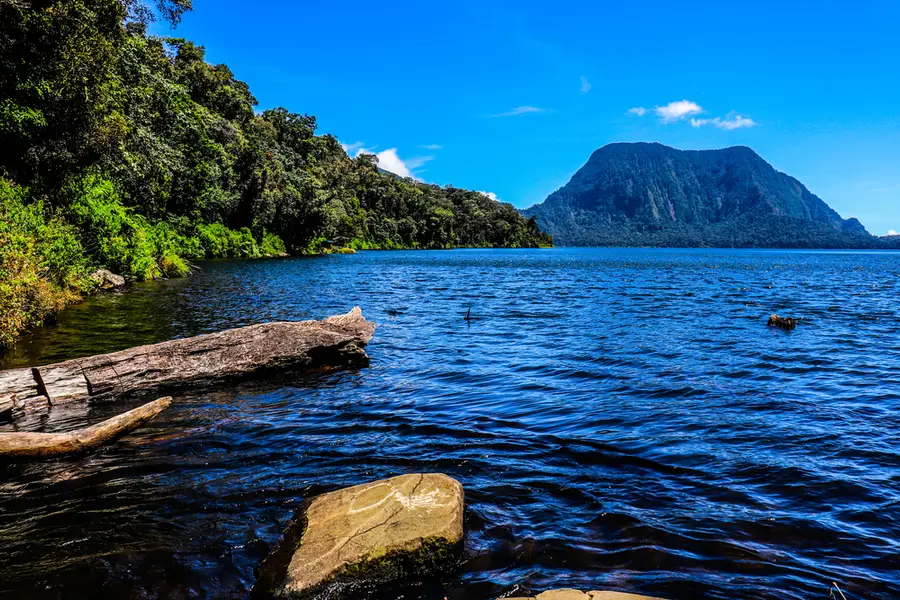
x: 619, y: 418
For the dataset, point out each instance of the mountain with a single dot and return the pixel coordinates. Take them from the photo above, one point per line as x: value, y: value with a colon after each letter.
x: 648, y: 194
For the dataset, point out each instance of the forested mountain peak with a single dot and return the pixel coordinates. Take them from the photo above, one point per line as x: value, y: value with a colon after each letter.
x: 651, y: 194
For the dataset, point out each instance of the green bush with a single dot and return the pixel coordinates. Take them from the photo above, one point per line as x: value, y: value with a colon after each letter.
x: 218, y: 241
x: 42, y: 264
x: 272, y: 245
x: 316, y: 246
x: 112, y: 234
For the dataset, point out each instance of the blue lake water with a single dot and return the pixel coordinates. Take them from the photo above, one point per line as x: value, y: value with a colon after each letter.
x: 620, y: 419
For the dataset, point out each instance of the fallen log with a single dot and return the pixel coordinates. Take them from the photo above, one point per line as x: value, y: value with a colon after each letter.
x: 236, y: 353
x: 48, y: 445
x: 19, y: 390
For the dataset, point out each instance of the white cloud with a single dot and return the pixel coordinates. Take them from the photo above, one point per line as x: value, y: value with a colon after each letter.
x: 675, y: 111
x: 389, y: 160
x: 732, y: 121
x: 431, y: 146
x: 585, y: 85
x: 521, y: 110
x: 892, y: 232
x: 490, y: 195
x: 680, y: 110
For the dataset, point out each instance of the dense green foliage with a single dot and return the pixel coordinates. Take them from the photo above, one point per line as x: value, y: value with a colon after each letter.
x: 653, y: 195
x: 42, y: 263
x: 142, y: 156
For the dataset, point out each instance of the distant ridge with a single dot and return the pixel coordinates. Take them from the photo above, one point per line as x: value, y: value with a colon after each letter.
x: 648, y: 194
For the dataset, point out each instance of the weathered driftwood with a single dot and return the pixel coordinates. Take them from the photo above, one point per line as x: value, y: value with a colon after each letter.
x: 236, y: 353
x: 48, y: 445
x: 18, y: 389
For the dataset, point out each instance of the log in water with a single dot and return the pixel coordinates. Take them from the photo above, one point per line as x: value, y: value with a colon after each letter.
x: 49, y: 445
x: 236, y: 353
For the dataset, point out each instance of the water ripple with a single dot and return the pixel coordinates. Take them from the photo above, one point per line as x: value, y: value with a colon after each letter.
x: 620, y: 419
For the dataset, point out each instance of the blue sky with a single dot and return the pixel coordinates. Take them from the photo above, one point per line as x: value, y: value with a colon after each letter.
x: 512, y: 97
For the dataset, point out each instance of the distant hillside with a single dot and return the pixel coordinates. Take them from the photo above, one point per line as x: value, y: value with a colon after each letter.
x: 644, y: 194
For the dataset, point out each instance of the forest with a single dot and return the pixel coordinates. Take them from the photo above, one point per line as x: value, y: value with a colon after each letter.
x: 128, y: 151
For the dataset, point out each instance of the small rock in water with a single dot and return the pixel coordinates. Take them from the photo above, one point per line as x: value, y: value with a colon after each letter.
x: 400, y: 528
x: 107, y: 280
x: 786, y: 323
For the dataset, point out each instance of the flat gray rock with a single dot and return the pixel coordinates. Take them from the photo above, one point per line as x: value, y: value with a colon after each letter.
x: 107, y: 280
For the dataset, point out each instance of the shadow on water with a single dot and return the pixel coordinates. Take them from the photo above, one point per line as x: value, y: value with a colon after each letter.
x: 620, y: 419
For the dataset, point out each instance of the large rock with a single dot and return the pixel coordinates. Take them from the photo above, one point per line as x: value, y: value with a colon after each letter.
x: 399, y: 528
x: 107, y: 280
x: 570, y: 594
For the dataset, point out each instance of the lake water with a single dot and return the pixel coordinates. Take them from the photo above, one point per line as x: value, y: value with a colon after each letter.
x: 620, y: 419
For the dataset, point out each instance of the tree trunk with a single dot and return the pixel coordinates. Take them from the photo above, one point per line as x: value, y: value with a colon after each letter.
x: 236, y: 353
x: 48, y: 445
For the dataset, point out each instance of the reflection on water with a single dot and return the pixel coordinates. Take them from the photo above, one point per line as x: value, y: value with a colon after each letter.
x: 620, y: 419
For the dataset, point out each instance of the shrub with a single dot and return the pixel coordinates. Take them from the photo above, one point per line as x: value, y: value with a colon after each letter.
x: 272, y: 245
x: 115, y: 237
x: 42, y: 264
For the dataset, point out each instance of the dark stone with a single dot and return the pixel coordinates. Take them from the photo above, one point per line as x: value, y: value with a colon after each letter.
x: 786, y: 323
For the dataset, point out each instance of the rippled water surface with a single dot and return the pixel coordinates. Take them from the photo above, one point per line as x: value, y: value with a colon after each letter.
x: 620, y: 419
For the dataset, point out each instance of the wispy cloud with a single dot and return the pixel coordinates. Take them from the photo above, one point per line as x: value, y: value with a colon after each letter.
x: 585, y: 85
x: 892, y: 232
x: 676, y: 111
x: 431, y: 147
x: 417, y: 161
x: 352, y: 149
x: 521, y: 110
x: 490, y: 195
x: 888, y: 188
x: 732, y: 121
x: 637, y: 111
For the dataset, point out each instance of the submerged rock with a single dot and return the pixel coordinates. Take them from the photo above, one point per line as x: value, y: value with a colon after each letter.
x: 107, y: 280
x: 570, y: 594
x: 786, y: 323
x: 400, y: 528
